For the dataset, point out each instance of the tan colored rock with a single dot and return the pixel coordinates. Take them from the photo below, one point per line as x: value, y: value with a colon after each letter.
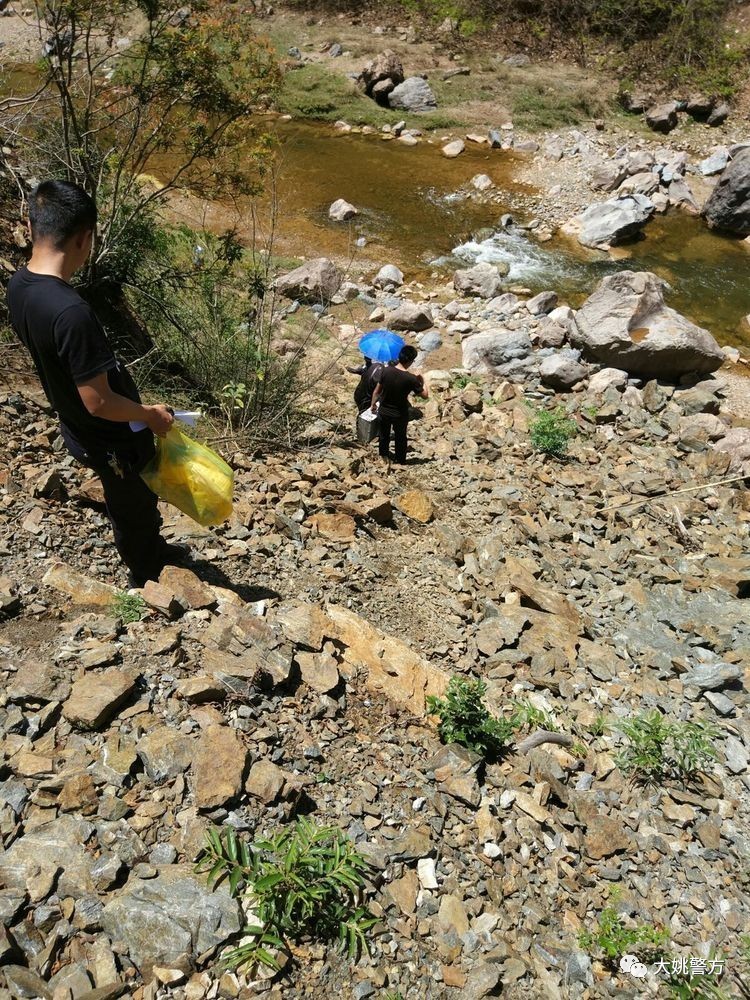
x: 165, y: 753
x: 452, y: 915
x: 417, y: 506
x: 532, y: 808
x: 540, y: 596
x: 303, y: 624
x: 219, y: 767
x: 335, y: 527
x: 198, y: 689
x: 403, y: 892
x: 378, y: 509
x: 605, y: 836
x: 78, y: 795
x: 81, y: 589
x: 162, y: 598
x: 265, y: 781
x: 319, y: 671
x: 188, y: 588
x: 96, y: 698
x: 393, y: 668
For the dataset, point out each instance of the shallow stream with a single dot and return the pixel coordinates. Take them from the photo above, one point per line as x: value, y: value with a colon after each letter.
x: 412, y: 213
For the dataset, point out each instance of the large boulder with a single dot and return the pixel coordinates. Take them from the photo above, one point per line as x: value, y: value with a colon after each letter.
x: 414, y: 94
x: 483, y: 280
x: 486, y: 353
x: 562, y: 372
x: 662, y: 117
x: 611, y: 222
x: 171, y: 919
x: 316, y: 281
x: 385, y: 66
x: 625, y: 324
x: 409, y: 316
x: 728, y: 208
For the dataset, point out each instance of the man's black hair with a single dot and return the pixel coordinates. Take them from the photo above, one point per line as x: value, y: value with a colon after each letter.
x: 59, y: 210
x: 406, y: 355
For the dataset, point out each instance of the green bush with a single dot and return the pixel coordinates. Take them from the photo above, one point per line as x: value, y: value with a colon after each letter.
x: 304, y: 882
x: 612, y: 938
x: 465, y: 719
x: 210, y: 309
x: 657, y: 749
x: 551, y: 431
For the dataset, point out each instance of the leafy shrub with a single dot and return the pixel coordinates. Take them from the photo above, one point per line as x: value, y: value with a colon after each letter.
x: 128, y: 607
x: 657, y: 749
x: 210, y: 309
x: 465, y: 719
x: 612, y: 938
x: 551, y: 431
x: 304, y: 882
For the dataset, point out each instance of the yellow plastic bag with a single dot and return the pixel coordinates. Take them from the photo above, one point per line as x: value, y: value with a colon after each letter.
x: 191, y: 477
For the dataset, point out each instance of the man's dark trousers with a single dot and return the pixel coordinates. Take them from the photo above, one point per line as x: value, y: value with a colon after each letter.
x: 399, y: 426
x: 131, y: 506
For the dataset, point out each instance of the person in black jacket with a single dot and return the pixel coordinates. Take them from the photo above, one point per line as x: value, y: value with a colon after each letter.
x: 369, y: 374
x: 92, y: 392
x: 391, y: 401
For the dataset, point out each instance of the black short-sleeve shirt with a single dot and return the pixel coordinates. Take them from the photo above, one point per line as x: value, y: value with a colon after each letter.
x: 69, y: 346
x: 396, y: 387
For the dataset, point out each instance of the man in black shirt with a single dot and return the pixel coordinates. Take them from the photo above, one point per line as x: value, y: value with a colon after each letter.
x: 392, y: 392
x: 93, y: 394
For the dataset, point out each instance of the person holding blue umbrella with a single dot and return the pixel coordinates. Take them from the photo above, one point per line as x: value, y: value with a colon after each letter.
x: 391, y: 401
x: 380, y: 347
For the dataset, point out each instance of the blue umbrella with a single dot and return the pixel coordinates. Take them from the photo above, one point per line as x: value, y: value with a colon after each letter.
x: 381, y: 345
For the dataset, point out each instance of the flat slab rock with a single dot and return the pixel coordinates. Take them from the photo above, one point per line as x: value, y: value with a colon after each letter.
x: 55, y: 845
x: 96, y: 698
x: 172, y: 919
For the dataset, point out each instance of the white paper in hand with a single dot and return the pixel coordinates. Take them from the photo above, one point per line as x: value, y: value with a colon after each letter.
x: 189, y: 417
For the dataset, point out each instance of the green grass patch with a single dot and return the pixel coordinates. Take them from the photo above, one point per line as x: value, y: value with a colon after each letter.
x: 314, y: 92
x: 539, y: 106
x: 128, y: 607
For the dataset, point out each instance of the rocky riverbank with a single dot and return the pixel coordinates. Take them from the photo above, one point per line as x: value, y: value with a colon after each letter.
x: 286, y: 670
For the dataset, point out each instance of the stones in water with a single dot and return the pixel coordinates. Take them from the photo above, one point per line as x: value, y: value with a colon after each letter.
x: 414, y: 94
x: 483, y: 280
x: 625, y: 324
x: 612, y: 222
x: 341, y: 210
x: 454, y: 149
x: 728, y: 208
x: 482, y: 182
x: 315, y: 281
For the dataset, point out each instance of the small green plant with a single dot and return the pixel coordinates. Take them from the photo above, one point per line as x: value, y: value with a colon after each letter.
x: 128, y: 607
x: 612, y: 938
x: 526, y: 714
x: 657, y: 749
x: 304, y: 882
x: 461, y: 382
x: 465, y: 719
x: 551, y: 431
